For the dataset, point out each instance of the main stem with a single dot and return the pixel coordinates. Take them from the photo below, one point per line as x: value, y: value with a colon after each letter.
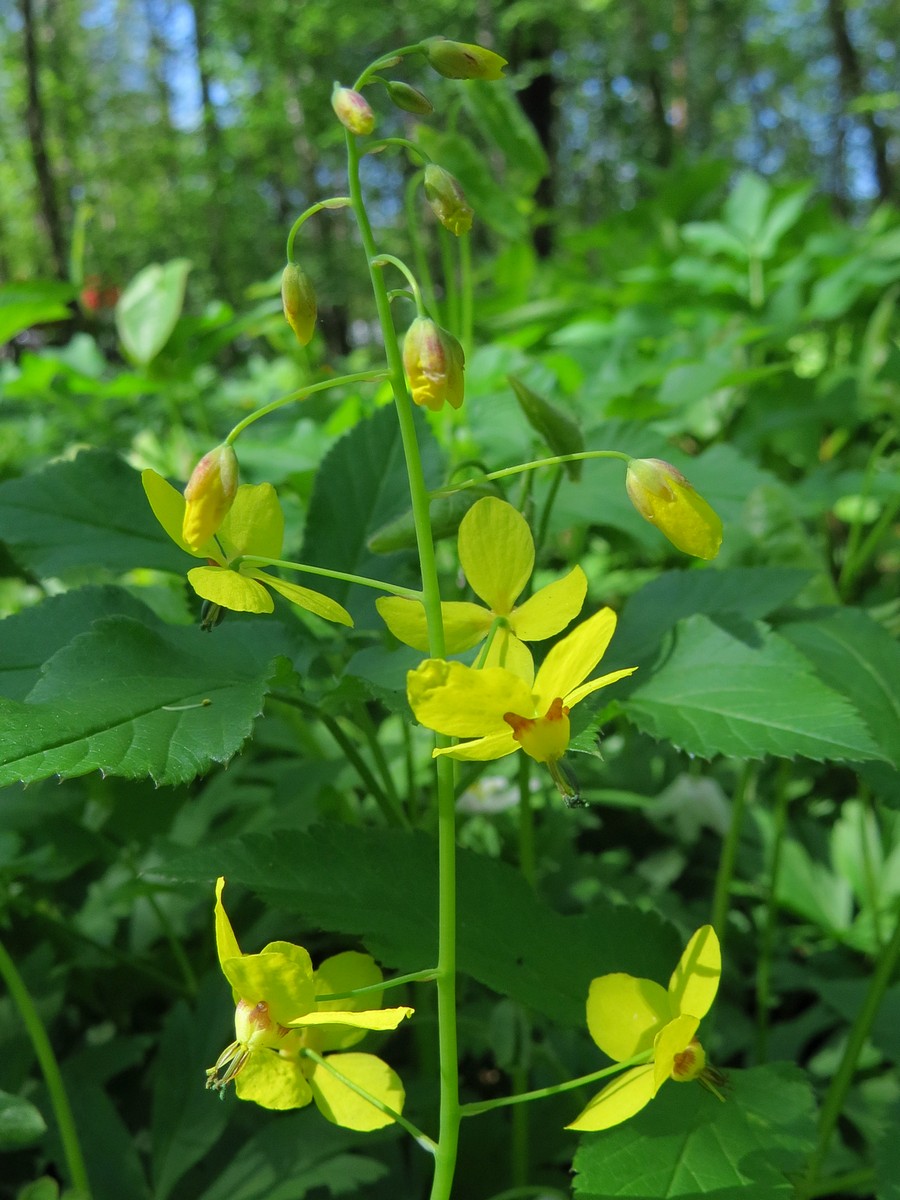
x: 448, y: 1137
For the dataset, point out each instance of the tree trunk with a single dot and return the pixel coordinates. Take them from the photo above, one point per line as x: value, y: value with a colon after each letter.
x: 35, y: 122
x: 534, y: 44
x: 852, y: 87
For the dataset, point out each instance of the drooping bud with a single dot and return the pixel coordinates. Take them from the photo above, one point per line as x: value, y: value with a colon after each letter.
x: 210, y: 492
x: 462, y: 60
x: 298, y: 299
x: 408, y: 98
x: 434, y: 362
x: 663, y: 496
x: 447, y: 200
x: 352, y: 110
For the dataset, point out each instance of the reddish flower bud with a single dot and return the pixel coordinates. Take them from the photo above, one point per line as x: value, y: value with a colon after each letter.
x: 461, y: 60
x: 210, y: 492
x: 663, y: 496
x: 299, y: 303
x: 447, y: 200
x: 352, y: 110
x: 408, y: 98
x: 434, y: 362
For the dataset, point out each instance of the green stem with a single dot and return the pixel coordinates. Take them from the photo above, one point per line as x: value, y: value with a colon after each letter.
x: 467, y: 296
x: 767, y: 942
x: 451, y: 289
x: 423, y: 271
x: 302, y: 394
x: 40, y: 1042
x: 362, y: 580
x: 397, y: 981
x: 526, y: 823
x: 859, y: 1031
x: 552, y: 491
x: 861, y: 1182
x: 332, y: 202
x: 385, y: 60
x: 728, y: 856
x: 422, y: 1138
x: 483, y: 1106
x: 383, y: 143
x: 367, y: 725
x: 392, y: 812
x: 520, y: 468
x: 382, y: 260
x: 445, y: 1156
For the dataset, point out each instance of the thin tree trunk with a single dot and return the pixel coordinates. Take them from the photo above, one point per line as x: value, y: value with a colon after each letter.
x: 533, y: 44
x: 218, y: 261
x: 852, y: 87
x: 35, y: 121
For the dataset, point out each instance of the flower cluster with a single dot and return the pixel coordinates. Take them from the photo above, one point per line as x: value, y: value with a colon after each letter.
x: 280, y: 1018
x: 627, y: 1017
x: 254, y: 524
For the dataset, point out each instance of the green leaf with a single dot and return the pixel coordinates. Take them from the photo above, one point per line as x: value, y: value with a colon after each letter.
x: 34, y: 303
x: 185, y: 1124
x: 335, y: 878
x: 740, y: 689
x: 561, y: 433
x: 360, y: 487
x: 858, y: 658
x: 129, y: 698
x: 499, y: 115
x: 750, y: 592
x: 87, y: 512
x: 149, y: 308
x: 292, y: 1156
x: 29, y: 638
x: 689, y: 1144
x: 21, y: 1123
x: 745, y: 208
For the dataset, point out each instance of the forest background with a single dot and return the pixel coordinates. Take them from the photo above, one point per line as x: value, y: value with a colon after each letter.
x: 686, y: 245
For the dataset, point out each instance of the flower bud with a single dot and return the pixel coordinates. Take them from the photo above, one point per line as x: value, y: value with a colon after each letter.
x: 663, y: 496
x: 299, y: 303
x: 352, y: 110
x: 461, y: 60
x: 210, y: 492
x: 447, y: 200
x: 434, y: 362
x: 408, y: 98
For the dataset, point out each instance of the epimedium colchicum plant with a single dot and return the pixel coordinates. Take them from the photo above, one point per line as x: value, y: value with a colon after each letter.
x: 287, y: 1015
x: 477, y: 680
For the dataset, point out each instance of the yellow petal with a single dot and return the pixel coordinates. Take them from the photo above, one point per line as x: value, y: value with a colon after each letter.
x: 226, y: 942
x: 231, y: 590
x: 314, y: 602
x: 486, y: 749
x: 551, y: 608
x: 465, y: 624
x: 624, y: 1014
x: 508, y: 652
x: 283, y: 978
x: 673, y: 1039
x: 376, y: 1018
x: 273, y: 1081
x: 578, y: 694
x: 168, y: 507
x: 342, y: 1106
x: 343, y: 973
x: 496, y: 552
x: 572, y: 660
x: 255, y: 523
x: 457, y: 700
x: 695, y: 980
x: 621, y: 1099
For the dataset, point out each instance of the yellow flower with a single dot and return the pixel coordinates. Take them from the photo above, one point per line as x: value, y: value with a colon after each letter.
x: 209, y: 494
x: 496, y: 553
x: 503, y: 711
x: 278, y: 1016
x: 298, y: 300
x: 628, y: 1016
x: 253, y: 525
x: 663, y: 496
